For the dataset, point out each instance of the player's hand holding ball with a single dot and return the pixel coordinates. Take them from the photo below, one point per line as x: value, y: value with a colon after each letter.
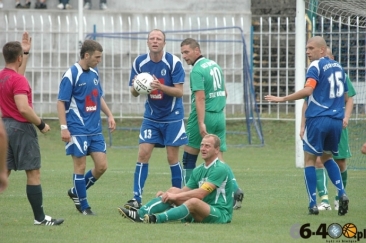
x: 142, y: 83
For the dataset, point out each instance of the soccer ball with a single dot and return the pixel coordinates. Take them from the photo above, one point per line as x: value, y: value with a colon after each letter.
x: 142, y: 83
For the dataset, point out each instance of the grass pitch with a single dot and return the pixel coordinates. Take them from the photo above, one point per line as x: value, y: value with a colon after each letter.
x: 275, y: 200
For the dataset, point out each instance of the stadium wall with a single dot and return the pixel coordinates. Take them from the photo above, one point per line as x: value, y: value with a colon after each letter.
x: 55, y: 43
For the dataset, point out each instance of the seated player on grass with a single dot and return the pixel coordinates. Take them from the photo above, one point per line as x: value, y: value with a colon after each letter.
x: 206, y: 198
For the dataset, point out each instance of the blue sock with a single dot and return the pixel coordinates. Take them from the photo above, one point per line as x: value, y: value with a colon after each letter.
x: 189, y: 160
x: 89, y: 179
x: 177, y: 175
x: 140, y: 177
x: 335, y: 175
x: 189, y: 163
x: 310, y: 183
x: 80, y: 190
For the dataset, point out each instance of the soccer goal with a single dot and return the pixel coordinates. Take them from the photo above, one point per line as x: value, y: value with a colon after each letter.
x: 342, y: 23
x: 225, y: 45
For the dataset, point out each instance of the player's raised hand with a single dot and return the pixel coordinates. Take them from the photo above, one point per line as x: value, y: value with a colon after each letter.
x: 26, y: 42
x: 274, y: 98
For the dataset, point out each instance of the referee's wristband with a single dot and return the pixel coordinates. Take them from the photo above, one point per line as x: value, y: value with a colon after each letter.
x: 64, y: 127
x: 42, y: 125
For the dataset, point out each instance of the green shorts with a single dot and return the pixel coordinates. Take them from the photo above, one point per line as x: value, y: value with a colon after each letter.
x: 216, y: 217
x: 344, y: 151
x: 215, y: 124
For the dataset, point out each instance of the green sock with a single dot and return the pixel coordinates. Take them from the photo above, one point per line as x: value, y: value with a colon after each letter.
x: 186, y: 175
x: 344, y: 180
x: 177, y: 213
x: 153, y: 206
x: 321, y: 184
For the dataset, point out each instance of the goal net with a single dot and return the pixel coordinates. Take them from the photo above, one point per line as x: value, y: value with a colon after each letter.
x: 342, y: 23
x: 225, y: 45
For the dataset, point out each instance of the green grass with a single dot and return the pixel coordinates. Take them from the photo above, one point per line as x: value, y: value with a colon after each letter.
x: 275, y: 197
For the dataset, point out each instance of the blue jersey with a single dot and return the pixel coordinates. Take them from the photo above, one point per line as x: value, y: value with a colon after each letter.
x: 327, y: 98
x: 169, y: 71
x: 82, y: 93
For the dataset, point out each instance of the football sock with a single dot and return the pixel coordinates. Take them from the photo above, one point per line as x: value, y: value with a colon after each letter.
x: 186, y: 175
x: 321, y: 184
x: 35, y: 198
x: 89, y: 179
x: 335, y: 175
x: 140, y: 177
x: 189, y: 163
x: 344, y: 179
x: 177, y: 213
x: 153, y: 206
x: 177, y: 177
x: 344, y: 175
x: 80, y: 190
x: 310, y: 183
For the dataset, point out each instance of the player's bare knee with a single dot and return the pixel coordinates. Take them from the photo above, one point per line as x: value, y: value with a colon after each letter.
x: 101, y: 168
x: 144, y: 156
x: 192, y: 203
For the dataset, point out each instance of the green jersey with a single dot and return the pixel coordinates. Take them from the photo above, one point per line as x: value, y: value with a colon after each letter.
x: 344, y: 151
x: 217, y: 173
x: 207, y: 75
x: 351, y: 89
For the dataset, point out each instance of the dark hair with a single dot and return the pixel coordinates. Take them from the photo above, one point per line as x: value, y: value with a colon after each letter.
x: 191, y: 42
x: 156, y: 30
x: 90, y: 46
x: 11, y: 51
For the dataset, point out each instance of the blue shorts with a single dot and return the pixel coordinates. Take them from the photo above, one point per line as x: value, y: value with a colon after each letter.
x: 163, y: 134
x: 81, y: 146
x: 322, y: 134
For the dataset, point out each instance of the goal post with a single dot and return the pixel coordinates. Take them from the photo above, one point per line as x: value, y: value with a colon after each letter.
x: 226, y: 45
x: 299, y: 77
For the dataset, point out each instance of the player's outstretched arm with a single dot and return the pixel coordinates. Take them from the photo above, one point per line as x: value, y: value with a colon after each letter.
x: 305, y: 92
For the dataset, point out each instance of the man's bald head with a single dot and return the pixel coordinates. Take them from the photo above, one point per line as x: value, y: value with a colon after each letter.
x: 316, y: 48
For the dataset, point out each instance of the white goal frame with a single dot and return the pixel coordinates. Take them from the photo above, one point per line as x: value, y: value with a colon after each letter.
x: 299, y: 77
